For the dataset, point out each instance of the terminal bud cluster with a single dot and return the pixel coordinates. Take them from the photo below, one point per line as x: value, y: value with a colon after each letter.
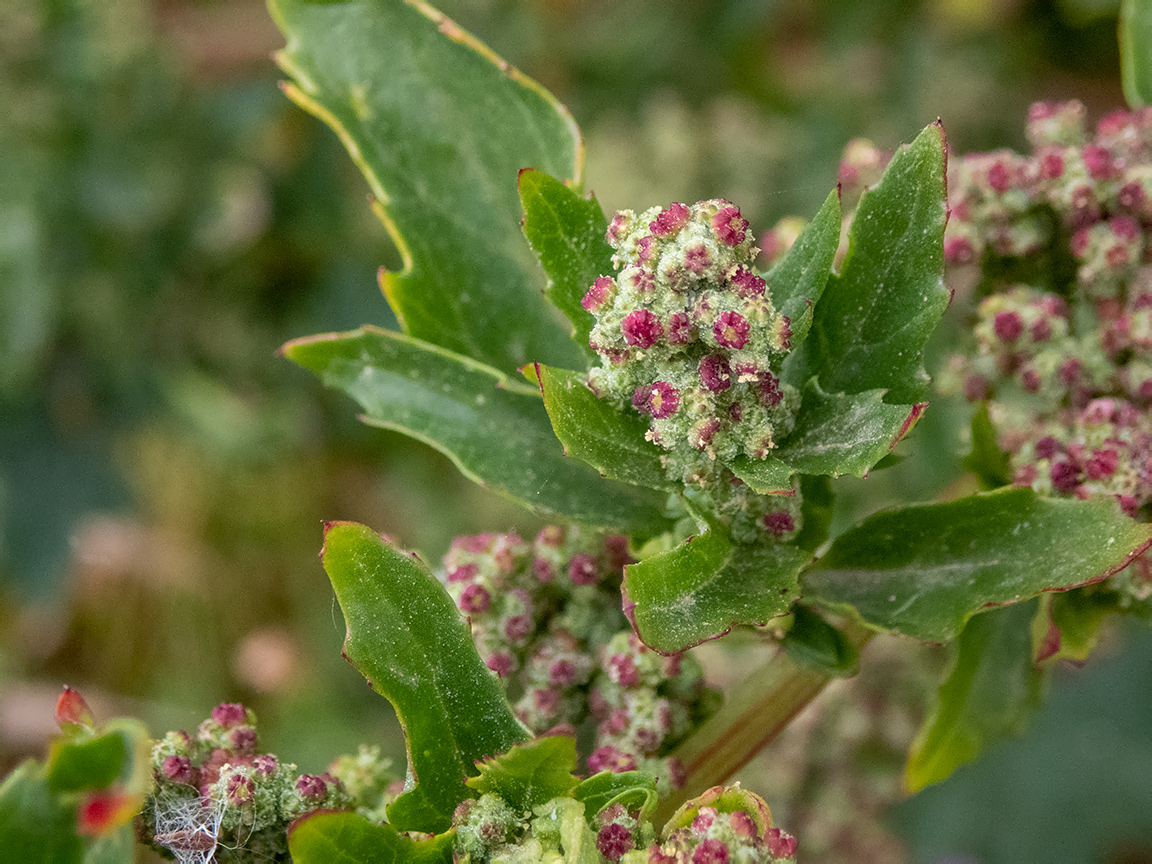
x: 689, y: 338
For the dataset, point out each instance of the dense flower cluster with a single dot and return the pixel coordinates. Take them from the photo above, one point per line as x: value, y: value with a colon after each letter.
x: 546, y: 618
x: 725, y: 825
x: 689, y: 337
x: 1063, y: 347
x: 215, y: 794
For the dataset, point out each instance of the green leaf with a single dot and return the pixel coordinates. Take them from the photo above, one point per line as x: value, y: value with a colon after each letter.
x: 440, y: 127
x: 814, y: 642
x: 798, y: 279
x: 816, y: 509
x: 35, y: 825
x: 407, y: 638
x: 1136, y: 52
x: 86, y: 764
x: 591, y: 429
x: 567, y: 233
x: 348, y: 838
x: 845, y: 434
x: 494, y: 428
x: 531, y: 774
x: 767, y: 476
x: 989, y: 692
x: 924, y: 570
x: 635, y: 790
x: 986, y: 460
x: 707, y: 585
x: 1068, y: 625
x: 870, y: 327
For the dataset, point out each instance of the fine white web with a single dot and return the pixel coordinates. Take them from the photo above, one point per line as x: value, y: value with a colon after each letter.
x: 189, y: 827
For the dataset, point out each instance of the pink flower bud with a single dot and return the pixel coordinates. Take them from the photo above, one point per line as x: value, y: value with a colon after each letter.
x: 660, y: 400
x: 729, y: 226
x: 780, y: 843
x: 613, y: 840
x: 475, y: 600
x: 711, y: 851
x: 641, y: 328
x: 670, y: 220
x: 240, y: 789
x: 768, y: 391
x: 697, y: 258
x: 178, y: 769
x: 715, y: 372
x: 229, y: 714
x: 622, y: 669
x: 599, y: 294
x: 311, y: 787
x: 731, y: 330
x: 1065, y: 476
x: 779, y: 523
x: 748, y: 284
x: 1008, y: 326
x: 1098, y: 161
x: 680, y: 329
x: 608, y: 758
x: 584, y: 569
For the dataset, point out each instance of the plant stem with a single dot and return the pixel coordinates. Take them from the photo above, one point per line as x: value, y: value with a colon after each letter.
x: 754, y: 713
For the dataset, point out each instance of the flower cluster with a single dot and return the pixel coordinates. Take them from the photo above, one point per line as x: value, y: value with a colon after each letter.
x: 725, y: 824
x: 1063, y: 343
x: 688, y: 337
x: 216, y: 794
x: 546, y: 618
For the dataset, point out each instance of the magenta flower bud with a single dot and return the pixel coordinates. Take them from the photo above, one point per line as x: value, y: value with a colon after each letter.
x: 735, y: 412
x: 617, y: 723
x: 680, y: 329
x: 463, y: 573
x: 670, y: 220
x: 622, y: 669
x: 779, y: 523
x: 1131, y: 196
x: 711, y: 851
x: 1098, y: 161
x: 475, y: 600
x: 240, y: 789
x: 644, y: 250
x: 704, y: 819
x: 1008, y: 326
x: 1065, y: 476
x: 584, y: 569
x: 748, y: 284
x: 731, y: 330
x: 785, y: 333
x: 959, y: 251
x: 501, y: 663
x: 729, y: 226
x: 768, y: 391
x: 1047, y: 447
x: 780, y: 844
x: 243, y: 739
x: 1030, y: 381
x: 608, y: 758
x: 999, y: 177
x: 599, y: 294
x: 662, y: 400
x: 178, y: 769
x: 1041, y: 330
x: 617, y: 228
x: 1125, y: 227
x: 1101, y: 464
x: 715, y: 372
x: 518, y: 628
x: 640, y: 281
x: 562, y: 673
x: 265, y: 764
x: 229, y: 714
x: 1051, y: 165
x: 1069, y: 372
x: 613, y: 840
x: 697, y: 258
x: 546, y: 700
x: 641, y: 328
x: 1128, y: 504
x: 543, y: 570
x: 703, y: 432
x: 311, y: 787
x: 743, y: 825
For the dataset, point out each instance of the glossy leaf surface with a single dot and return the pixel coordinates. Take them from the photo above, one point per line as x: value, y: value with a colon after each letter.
x: 566, y: 231
x: 348, y: 838
x: 925, y: 570
x: 493, y: 427
x: 407, y: 638
x: 989, y: 692
x: 440, y: 127
x: 1136, y: 51
x: 874, y: 318
x: 705, y: 586
x: 814, y: 642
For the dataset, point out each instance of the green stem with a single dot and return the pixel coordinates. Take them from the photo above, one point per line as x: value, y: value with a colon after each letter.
x: 754, y: 713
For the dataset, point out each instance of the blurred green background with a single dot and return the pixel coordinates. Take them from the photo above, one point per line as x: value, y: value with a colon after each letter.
x: 168, y: 219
